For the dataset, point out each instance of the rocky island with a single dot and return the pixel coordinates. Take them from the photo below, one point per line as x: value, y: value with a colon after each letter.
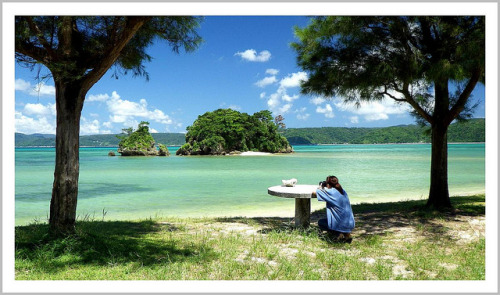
x: 140, y: 143
x: 226, y: 131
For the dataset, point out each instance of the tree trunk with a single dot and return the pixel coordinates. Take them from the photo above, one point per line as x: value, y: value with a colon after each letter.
x: 69, y: 104
x: 439, y: 196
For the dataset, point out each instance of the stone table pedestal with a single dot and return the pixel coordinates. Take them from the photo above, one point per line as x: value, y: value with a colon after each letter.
x: 302, y: 195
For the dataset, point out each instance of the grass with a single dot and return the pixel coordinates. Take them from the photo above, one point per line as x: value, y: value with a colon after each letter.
x: 392, y: 241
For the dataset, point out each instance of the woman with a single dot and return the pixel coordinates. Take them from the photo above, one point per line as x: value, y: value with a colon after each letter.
x: 339, y: 217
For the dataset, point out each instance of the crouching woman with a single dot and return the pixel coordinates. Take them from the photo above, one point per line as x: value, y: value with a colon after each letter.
x: 339, y: 219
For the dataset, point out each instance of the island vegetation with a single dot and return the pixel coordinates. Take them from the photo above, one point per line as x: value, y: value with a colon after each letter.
x: 140, y: 142
x: 472, y: 130
x: 226, y: 131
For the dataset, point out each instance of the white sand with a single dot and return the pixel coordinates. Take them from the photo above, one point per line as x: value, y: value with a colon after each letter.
x: 255, y: 154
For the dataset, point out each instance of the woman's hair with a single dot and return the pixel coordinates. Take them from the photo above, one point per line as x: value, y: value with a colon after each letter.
x: 334, y: 182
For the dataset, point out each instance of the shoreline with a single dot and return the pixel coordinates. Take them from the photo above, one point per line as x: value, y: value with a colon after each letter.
x: 318, y: 144
x: 278, y: 212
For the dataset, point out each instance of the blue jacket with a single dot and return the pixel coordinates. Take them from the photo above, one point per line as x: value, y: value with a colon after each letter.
x: 338, y: 209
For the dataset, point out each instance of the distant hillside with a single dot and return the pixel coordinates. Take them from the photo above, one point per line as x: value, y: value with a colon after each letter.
x: 471, y: 131
x: 99, y: 140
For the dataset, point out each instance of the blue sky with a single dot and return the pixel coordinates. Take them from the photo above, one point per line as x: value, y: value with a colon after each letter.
x: 245, y: 63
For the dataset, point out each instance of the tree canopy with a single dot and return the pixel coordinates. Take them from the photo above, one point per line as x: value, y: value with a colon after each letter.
x: 226, y: 130
x: 140, y: 142
x: 78, y: 51
x: 409, y: 59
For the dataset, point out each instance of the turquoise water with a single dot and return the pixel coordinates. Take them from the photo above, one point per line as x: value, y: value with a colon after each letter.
x: 142, y: 187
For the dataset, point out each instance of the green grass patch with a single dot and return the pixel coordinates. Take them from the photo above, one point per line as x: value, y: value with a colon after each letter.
x: 392, y: 241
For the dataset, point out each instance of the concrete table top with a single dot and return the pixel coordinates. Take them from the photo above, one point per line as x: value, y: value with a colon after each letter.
x: 302, y: 194
x: 299, y: 191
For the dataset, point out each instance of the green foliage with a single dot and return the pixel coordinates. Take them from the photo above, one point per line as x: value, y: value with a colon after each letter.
x: 40, y: 39
x: 226, y: 130
x: 141, y: 143
x: 469, y: 131
x: 404, y: 58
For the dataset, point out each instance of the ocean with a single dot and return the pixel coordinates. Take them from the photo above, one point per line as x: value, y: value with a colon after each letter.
x: 118, y: 188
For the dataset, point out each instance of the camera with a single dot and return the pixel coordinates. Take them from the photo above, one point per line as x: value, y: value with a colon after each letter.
x: 322, y: 184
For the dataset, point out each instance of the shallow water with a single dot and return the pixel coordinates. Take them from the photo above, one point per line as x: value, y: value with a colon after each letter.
x: 142, y: 187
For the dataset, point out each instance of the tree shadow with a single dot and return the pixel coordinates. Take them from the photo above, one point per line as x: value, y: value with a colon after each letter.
x: 379, y: 219
x: 110, y: 243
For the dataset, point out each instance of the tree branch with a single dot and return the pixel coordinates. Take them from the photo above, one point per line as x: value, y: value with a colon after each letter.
x: 415, y: 105
x: 464, y: 96
x: 113, y: 50
x: 38, y: 33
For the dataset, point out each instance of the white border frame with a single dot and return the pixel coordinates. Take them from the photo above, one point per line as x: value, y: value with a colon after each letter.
x: 10, y: 9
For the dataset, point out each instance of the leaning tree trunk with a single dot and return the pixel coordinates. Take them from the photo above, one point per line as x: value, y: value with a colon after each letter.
x: 69, y: 104
x: 439, y: 196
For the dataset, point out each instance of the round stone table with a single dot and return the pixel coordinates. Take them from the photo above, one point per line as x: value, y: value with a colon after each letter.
x: 302, y: 194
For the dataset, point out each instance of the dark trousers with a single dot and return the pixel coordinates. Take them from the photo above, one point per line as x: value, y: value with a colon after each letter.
x: 323, y: 224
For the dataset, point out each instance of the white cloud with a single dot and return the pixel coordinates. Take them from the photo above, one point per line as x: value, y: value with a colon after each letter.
x: 317, y: 100
x: 266, y: 81
x: 281, y: 102
x: 99, y: 97
x: 327, y: 110
x: 354, y: 119
x: 301, y: 115
x: 374, y: 110
x: 272, y: 72
x: 39, y: 109
x: 29, y: 125
x: 293, y: 80
x: 152, y: 130
x: 285, y: 108
x: 127, y: 112
x: 251, y: 55
x: 40, y: 89
x: 289, y: 98
x: 92, y: 127
x: 274, y: 101
x: 21, y: 85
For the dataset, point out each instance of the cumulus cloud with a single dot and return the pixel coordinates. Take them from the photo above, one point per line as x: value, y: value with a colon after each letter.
x: 281, y: 101
x: 374, y: 110
x: 266, y: 81
x: 293, y: 80
x: 317, y: 100
x: 36, y: 118
x: 354, y: 119
x: 301, y: 114
x: 327, y: 110
x: 128, y: 112
x: 289, y: 98
x: 30, y: 125
x: 39, y: 109
x: 89, y: 127
x: 251, y: 55
x: 272, y: 72
x: 40, y: 89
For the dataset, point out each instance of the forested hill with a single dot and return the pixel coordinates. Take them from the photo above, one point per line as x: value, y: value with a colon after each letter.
x: 99, y: 140
x: 471, y: 131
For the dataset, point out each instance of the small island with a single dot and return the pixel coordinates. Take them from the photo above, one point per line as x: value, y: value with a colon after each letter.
x: 226, y: 131
x: 140, y: 142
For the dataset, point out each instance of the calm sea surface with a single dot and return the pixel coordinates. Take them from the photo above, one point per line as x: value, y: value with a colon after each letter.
x: 142, y: 187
